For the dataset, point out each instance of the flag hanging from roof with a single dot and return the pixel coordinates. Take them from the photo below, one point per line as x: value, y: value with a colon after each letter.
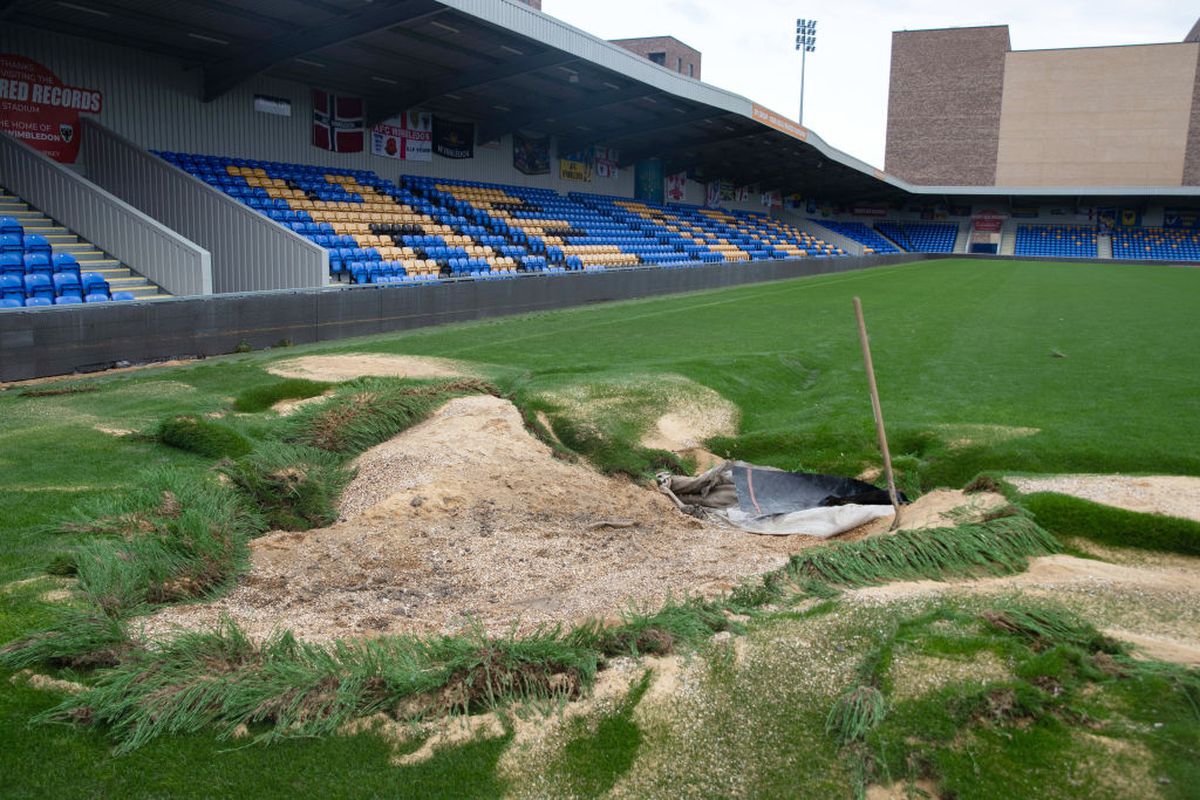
x: 337, y: 122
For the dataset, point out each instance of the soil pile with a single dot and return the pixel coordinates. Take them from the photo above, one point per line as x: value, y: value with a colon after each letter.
x: 467, y: 519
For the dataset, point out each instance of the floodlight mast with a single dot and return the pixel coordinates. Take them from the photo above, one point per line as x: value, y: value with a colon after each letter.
x: 806, y: 42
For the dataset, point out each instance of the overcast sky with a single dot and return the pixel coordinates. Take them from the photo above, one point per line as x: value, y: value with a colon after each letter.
x: 748, y: 45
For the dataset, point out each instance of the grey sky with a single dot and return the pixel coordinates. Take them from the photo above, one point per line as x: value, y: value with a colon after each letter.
x: 748, y: 44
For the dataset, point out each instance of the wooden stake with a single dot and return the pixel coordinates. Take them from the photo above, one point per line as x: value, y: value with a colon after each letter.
x: 875, y: 407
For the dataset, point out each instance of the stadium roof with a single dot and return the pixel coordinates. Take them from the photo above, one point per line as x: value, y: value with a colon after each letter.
x: 504, y: 65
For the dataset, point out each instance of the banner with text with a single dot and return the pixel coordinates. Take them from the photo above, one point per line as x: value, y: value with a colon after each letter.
x: 408, y: 137
x: 40, y: 110
x: 453, y: 139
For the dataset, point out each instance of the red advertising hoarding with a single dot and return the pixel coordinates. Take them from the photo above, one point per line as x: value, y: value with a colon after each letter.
x: 40, y: 110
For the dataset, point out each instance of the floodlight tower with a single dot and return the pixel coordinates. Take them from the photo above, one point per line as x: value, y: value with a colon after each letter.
x: 806, y: 42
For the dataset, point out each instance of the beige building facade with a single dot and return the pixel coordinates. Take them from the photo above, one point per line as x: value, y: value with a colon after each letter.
x: 1097, y: 116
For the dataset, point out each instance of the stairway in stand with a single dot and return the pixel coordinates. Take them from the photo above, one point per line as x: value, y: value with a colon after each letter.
x: 91, y: 259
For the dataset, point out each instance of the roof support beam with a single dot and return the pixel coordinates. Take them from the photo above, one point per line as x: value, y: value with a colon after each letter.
x: 496, y: 127
x: 219, y: 78
x: 665, y: 123
x: 469, y: 79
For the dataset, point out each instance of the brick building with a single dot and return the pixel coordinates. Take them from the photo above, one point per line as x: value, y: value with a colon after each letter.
x: 964, y: 108
x: 666, y: 51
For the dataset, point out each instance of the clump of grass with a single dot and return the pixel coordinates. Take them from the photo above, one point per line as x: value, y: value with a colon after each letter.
x: 179, y: 536
x: 991, y: 548
x: 364, y: 413
x: 261, y: 398
x: 855, y: 714
x: 301, y: 689
x: 642, y: 632
x: 203, y: 437
x: 1045, y: 627
x: 80, y: 639
x: 1067, y: 516
x: 613, y: 456
x: 296, y: 488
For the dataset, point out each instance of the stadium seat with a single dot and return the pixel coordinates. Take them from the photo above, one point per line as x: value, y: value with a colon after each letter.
x: 96, y: 297
x: 38, y: 285
x: 12, y: 287
x: 124, y: 296
x: 10, y: 226
x: 68, y: 300
x: 34, y: 302
x: 65, y: 262
x: 12, y: 264
x: 38, y: 263
x: 94, y: 283
x: 10, y: 302
x: 36, y: 243
x: 67, y: 283
x: 12, y: 244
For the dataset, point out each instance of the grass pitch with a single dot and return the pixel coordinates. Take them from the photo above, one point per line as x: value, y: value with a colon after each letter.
x: 983, y: 366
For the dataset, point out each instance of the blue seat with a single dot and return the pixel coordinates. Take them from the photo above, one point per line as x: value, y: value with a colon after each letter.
x: 34, y: 302
x: 65, y: 282
x: 124, y: 296
x: 12, y: 243
x: 12, y: 287
x: 38, y: 263
x: 36, y: 243
x: 68, y: 300
x: 65, y: 262
x: 38, y: 285
x: 14, y: 265
x: 10, y: 225
x: 11, y: 302
x: 96, y: 297
x: 93, y: 282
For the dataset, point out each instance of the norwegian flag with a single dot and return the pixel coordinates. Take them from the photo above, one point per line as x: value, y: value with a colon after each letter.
x: 337, y: 122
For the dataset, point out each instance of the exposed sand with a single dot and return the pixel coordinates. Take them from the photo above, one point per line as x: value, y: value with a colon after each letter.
x: 285, y: 408
x: 468, y: 519
x: 1155, y: 607
x: 1172, y: 495
x: 347, y: 366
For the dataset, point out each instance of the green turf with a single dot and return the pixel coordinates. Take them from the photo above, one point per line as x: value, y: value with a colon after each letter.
x: 957, y: 345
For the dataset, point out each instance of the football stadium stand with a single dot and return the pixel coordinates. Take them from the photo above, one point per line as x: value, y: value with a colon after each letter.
x: 1164, y: 244
x: 921, y: 237
x: 868, y: 237
x: 1067, y: 241
x: 425, y: 228
x: 44, y: 264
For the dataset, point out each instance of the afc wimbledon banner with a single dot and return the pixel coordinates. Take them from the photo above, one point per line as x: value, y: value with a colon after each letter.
x: 40, y: 110
x: 408, y: 137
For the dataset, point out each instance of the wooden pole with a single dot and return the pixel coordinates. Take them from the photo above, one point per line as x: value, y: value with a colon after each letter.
x: 878, y: 410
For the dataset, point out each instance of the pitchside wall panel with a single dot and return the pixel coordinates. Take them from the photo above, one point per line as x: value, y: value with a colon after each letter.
x: 155, y: 101
x: 55, y: 341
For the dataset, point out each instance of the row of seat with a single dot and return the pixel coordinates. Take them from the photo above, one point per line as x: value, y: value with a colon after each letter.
x: 1159, y: 244
x: 1063, y: 241
x: 921, y: 237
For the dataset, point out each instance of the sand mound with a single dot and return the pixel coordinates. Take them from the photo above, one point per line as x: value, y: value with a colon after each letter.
x: 285, y: 408
x: 466, y: 517
x: 1171, y: 495
x: 940, y: 508
x: 1153, y: 607
x: 347, y: 366
x: 676, y: 413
